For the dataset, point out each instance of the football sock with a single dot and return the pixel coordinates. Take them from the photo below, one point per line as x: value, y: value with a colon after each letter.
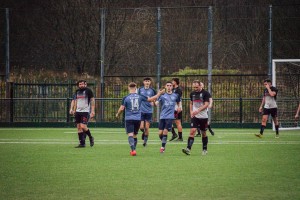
x: 81, y: 137
x: 164, y: 140
x: 277, y: 129
x: 135, y: 141
x: 209, y: 128
x: 160, y: 136
x: 190, y: 142
x: 131, y: 142
x: 142, y: 130
x: 262, y: 128
x: 204, y: 142
x: 180, y: 135
x: 173, y: 131
x: 88, y: 133
x: 145, y: 138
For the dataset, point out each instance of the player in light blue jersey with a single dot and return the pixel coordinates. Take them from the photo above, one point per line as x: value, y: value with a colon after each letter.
x: 146, y: 108
x: 132, y: 106
x: 167, y: 102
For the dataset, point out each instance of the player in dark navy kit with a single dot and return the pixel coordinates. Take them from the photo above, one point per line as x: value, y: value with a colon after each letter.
x: 146, y: 108
x: 167, y: 102
x: 177, y: 114
x: 199, y: 117
x: 84, y: 109
x: 131, y: 104
x: 269, y: 107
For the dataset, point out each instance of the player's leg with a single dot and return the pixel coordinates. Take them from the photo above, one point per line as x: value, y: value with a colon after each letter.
x: 81, y: 135
x: 203, y: 128
x: 85, y: 128
x: 167, y: 128
x: 142, y: 125
x: 146, y: 133
x: 179, y: 126
x: 264, y: 120
x: 129, y: 126
x: 136, y: 126
x: 174, y: 134
x: 210, y: 129
x: 275, y: 120
x: 190, y: 141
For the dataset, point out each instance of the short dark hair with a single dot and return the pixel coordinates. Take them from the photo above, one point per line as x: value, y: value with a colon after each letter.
x: 132, y: 84
x: 80, y: 81
x: 176, y: 80
x: 147, y: 79
x: 267, y: 80
x: 197, y: 81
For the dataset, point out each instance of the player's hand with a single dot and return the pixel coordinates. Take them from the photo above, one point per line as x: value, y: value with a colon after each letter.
x: 260, y: 110
x: 267, y: 86
x: 296, y: 117
x: 72, y: 112
x: 179, y: 109
x: 117, y: 115
x: 92, y: 115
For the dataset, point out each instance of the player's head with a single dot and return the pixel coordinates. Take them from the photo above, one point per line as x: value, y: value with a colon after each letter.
x: 168, y: 86
x: 175, y: 81
x: 267, y: 81
x: 132, y: 86
x: 81, y: 84
x: 147, y: 81
x: 197, y: 85
x: 202, y: 85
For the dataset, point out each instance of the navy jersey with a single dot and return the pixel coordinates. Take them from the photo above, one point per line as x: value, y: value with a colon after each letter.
x: 198, y: 99
x: 179, y: 92
x: 83, y: 97
x: 132, y: 103
x: 146, y: 106
x: 168, y: 102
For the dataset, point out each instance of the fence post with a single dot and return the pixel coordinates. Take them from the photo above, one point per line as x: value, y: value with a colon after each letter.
x: 209, y: 49
x: 68, y: 106
x: 158, y: 53
x: 270, y: 42
x: 102, y: 57
x: 241, y: 110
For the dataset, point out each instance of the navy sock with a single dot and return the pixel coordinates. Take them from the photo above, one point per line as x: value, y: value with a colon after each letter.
x: 135, y: 142
x: 173, y: 131
x: 88, y: 133
x: 262, y: 128
x: 131, y: 142
x: 204, y: 142
x: 160, y: 136
x: 180, y: 135
x: 190, y: 142
x: 164, y: 140
x: 277, y: 129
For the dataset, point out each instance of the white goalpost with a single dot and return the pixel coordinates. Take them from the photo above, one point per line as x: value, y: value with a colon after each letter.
x: 286, y: 78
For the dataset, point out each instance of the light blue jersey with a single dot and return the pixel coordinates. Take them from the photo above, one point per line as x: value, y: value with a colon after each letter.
x: 146, y: 106
x: 168, y: 102
x: 132, y: 104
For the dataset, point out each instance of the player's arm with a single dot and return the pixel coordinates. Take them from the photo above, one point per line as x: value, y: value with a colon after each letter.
x: 210, y: 103
x: 92, y: 107
x: 120, y: 110
x: 297, y: 112
x: 179, y: 106
x: 271, y: 92
x: 153, y: 98
x: 261, y: 105
x: 72, y: 107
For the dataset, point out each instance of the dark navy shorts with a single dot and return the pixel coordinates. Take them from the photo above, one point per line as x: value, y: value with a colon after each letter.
x: 199, y: 123
x: 82, y: 117
x: 178, y: 115
x: 165, y: 124
x: 132, y: 126
x: 270, y: 111
x: 146, y: 117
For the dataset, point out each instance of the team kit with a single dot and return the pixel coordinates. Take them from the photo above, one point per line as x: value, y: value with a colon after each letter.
x: 139, y: 104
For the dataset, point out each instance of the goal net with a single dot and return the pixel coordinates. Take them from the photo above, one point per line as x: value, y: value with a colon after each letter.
x: 286, y: 78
